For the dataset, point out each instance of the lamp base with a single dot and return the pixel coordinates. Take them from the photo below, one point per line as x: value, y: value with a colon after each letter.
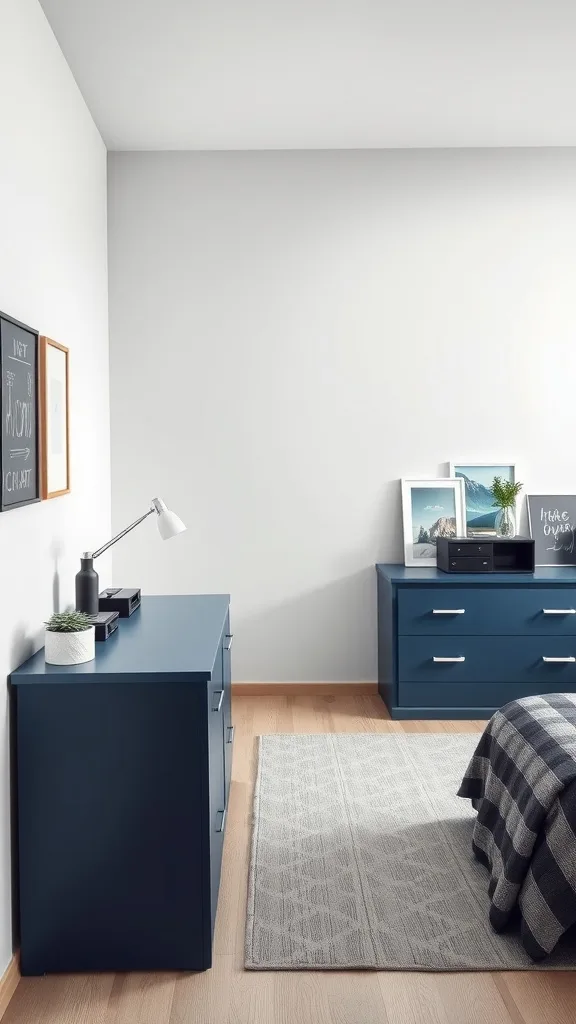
x: 87, y: 587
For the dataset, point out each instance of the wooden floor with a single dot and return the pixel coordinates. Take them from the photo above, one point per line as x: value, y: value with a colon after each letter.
x: 229, y: 995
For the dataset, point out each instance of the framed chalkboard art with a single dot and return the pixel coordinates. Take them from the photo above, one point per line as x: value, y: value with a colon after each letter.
x: 19, y: 430
x: 55, y: 421
x: 552, y: 521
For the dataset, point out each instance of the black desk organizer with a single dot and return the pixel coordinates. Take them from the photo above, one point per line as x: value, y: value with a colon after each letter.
x: 494, y: 554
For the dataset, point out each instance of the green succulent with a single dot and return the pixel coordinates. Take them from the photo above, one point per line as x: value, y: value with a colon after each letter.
x: 68, y: 622
x: 504, y: 492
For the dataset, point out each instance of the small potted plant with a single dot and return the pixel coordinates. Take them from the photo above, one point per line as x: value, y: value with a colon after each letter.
x: 505, y: 494
x: 70, y: 639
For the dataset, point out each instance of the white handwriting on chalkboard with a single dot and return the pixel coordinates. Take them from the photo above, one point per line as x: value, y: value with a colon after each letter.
x: 17, y: 480
x: 557, y: 524
x: 566, y: 545
x: 20, y: 349
x: 19, y: 417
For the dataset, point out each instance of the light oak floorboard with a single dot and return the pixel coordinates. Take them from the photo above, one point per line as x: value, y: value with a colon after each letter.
x: 229, y: 995
x: 460, y: 998
x: 61, y: 999
x: 539, y: 997
x: 142, y: 999
x: 9, y: 983
x: 350, y: 998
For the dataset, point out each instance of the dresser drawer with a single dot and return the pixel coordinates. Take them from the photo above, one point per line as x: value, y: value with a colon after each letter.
x: 472, y: 695
x: 494, y: 610
x: 471, y: 659
x: 456, y: 549
x: 470, y: 563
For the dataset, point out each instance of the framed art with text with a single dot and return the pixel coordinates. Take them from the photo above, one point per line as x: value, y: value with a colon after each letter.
x: 552, y: 523
x: 55, y: 413
x: 19, y: 431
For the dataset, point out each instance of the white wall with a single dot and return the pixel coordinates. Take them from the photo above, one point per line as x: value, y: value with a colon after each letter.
x: 292, y: 332
x: 53, y: 277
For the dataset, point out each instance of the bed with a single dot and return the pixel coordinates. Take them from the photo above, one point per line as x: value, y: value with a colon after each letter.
x: 522, y: 782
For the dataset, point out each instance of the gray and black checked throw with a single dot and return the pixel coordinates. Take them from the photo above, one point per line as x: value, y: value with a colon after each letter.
x: 522, y: 782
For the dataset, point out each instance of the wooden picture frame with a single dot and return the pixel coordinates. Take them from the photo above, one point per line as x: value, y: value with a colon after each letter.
x: 54, y: 419
x: 19, y: 414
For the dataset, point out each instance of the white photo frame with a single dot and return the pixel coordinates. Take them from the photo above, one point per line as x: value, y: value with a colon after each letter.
x: 424, y: 503
x: 480, y: 514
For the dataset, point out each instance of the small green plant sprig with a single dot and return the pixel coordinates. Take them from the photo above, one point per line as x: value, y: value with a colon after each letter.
x: 68, y: 622
x: 504, y: 492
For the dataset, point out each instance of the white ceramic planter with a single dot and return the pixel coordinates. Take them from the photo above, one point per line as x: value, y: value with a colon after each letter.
x: 69, y: 648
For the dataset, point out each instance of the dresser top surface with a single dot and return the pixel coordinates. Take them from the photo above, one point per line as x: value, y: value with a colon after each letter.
x: 176, y: 635
x: 543, y: 574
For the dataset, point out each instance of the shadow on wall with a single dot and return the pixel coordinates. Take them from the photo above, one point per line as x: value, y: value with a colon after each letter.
x: 56, y: 552
x: 328, y: 634
x: 23, y: 645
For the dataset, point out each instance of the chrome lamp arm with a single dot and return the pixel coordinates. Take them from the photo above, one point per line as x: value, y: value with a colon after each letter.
x: 169, y: 525
x: 100, y: 551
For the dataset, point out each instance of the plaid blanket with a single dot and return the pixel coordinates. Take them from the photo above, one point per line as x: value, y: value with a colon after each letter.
x: 522, y: 782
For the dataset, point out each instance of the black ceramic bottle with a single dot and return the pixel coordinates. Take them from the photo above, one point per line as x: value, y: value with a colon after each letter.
x: 87, y: 586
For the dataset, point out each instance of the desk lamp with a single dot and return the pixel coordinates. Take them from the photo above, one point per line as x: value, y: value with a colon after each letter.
x: 169, y: 525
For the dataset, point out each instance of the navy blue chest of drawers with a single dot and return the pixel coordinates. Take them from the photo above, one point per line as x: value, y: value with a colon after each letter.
x: 461, y: 646
x: 122, y: 779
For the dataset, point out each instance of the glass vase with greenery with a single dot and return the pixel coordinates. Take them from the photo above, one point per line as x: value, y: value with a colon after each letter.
x: 505, y: 494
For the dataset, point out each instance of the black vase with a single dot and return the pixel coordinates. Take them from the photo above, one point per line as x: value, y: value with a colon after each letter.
x: 87, y: 588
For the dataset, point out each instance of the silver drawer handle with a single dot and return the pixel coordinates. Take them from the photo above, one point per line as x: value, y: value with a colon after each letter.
x: 448, y: 611
x: 220, y: 695
x: 459, y: 660
x: 563, y: 660
x: 230, y: 638
x: 223, y: 813
x: 559, y: 611
x: 230, y: 734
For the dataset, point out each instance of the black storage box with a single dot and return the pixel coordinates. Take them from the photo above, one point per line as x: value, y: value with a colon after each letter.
x: 123, y: 600
x: 493, y: 554
x: 105, y: 623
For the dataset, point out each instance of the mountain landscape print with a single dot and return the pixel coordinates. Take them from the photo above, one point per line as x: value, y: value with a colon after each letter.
x: 433, y: 516
x: 480, y: 513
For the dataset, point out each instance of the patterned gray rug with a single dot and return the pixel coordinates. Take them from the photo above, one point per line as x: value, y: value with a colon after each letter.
x: 361, y: 857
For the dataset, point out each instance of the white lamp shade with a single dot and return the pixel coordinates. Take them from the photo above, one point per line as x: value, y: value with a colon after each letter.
x: 169, y: 524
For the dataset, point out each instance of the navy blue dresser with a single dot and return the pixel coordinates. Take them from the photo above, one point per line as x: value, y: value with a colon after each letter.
x: 463, y: 645
x: 123, y: 775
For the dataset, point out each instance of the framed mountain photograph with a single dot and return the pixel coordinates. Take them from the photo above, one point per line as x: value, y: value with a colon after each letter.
x: 478, y: 478
x: 430, y: 509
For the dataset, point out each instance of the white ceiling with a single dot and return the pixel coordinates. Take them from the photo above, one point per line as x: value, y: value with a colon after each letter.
x: 316, y: 74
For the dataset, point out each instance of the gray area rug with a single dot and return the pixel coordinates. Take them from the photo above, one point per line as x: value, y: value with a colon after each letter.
x: 362, y: 858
